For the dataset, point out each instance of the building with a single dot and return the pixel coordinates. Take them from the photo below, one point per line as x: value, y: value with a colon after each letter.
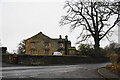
x: 42, y: 44
x: 3, y: 50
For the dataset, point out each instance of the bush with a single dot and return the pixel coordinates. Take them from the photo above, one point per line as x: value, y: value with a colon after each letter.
x: 113, y: 68
x: 85, y: 49
x: 116, y: 68
x: 113, y: 48
x: 88, y: 50
x: 115, y: 58
x: 108, y: 66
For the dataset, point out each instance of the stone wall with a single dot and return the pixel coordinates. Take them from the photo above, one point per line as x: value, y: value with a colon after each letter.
x: 49, y: 60
x: 37, y: 45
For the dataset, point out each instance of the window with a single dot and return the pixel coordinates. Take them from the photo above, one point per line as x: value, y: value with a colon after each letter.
x: 32, y: 47
x: 32, y: 51
x: 32, y: 44
x: 47, y: 45
x: 61, y: 45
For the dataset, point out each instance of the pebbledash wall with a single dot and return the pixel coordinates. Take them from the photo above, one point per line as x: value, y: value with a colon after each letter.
x: 48, y: 60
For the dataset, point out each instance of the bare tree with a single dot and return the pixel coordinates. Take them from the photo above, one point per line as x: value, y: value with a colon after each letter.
x: 93, y: 18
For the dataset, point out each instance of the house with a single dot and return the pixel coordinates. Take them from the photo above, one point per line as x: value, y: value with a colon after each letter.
x: 42, y: 44
x: 3, y: 50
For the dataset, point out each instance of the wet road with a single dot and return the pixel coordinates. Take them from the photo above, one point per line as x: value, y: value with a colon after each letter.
x: 61, y: 71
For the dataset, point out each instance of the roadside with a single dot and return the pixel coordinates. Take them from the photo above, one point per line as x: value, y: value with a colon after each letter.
x: 10, y: 65
x: 107, y: 74
x: 64, y: 71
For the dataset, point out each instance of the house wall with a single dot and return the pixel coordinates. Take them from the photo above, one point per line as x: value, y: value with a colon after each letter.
x: 40, y: 44
x: 72, y: 52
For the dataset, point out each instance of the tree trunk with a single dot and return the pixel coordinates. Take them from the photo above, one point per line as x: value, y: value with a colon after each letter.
x: 97, y: 46
x: 97, y: 43
x: 96, y: 38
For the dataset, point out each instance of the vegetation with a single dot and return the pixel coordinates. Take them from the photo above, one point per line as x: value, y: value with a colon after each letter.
x: 113, y: 48
x: 110, y: 50
x: 113, y: 68
x: 93, y: 17
x: 113, y: 51
x: 21, y: 47
x: 88, y: 50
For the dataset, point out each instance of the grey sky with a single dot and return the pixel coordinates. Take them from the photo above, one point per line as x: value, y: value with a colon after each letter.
x: 21, y: 19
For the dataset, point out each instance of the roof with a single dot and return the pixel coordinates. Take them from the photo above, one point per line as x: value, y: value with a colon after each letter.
x: 40, y: 33
x: 56, y: 39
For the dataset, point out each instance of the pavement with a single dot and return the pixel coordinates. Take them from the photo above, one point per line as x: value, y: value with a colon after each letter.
x: 107, y: 74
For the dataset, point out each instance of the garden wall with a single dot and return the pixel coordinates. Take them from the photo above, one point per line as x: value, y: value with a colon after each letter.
x: 48, y: 60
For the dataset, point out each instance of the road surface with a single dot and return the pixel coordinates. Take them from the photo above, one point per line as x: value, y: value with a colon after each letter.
x: 60, y: 71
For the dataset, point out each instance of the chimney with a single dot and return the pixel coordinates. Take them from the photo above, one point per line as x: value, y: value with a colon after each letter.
x: 40, y: 32
x: 66, y: 37
x: 60, y: 37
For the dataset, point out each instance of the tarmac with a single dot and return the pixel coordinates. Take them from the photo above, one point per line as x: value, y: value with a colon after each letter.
x: 107, y: 74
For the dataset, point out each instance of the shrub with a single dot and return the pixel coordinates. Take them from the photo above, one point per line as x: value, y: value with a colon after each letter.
x: 113, y: 68
x: 115, y: 58
x: 109, y: 66
x: 113, y: 48
x: 88, y: 50
x: 116, y: 68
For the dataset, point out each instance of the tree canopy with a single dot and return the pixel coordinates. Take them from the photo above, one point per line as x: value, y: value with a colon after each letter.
x: 21, y: 47
x: 96, y: 19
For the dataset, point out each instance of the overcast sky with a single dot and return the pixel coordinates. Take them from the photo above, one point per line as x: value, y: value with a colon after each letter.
x: 21, y: 19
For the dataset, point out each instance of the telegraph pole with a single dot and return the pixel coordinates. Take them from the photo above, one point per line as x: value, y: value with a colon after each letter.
x: 118, y: 22
x: 119, y: 26
x: 119, y: 32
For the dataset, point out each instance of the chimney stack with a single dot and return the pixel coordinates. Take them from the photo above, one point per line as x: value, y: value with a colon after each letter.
x: 60, y: 37
x: 66, y: 37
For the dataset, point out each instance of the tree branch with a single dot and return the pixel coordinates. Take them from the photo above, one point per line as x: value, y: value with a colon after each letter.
x: 110, y: 28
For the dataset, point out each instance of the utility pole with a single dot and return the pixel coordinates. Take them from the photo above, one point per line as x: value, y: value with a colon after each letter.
x: 119, y: 32
x: 118, y: 22
x: 119, y: 26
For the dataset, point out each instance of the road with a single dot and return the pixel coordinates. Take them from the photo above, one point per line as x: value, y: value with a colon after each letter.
x: 60, y: 71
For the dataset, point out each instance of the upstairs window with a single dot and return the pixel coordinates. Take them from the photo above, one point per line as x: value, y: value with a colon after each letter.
x: 47, y: 45
x: 61, y: 45
x: 32, y: 44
